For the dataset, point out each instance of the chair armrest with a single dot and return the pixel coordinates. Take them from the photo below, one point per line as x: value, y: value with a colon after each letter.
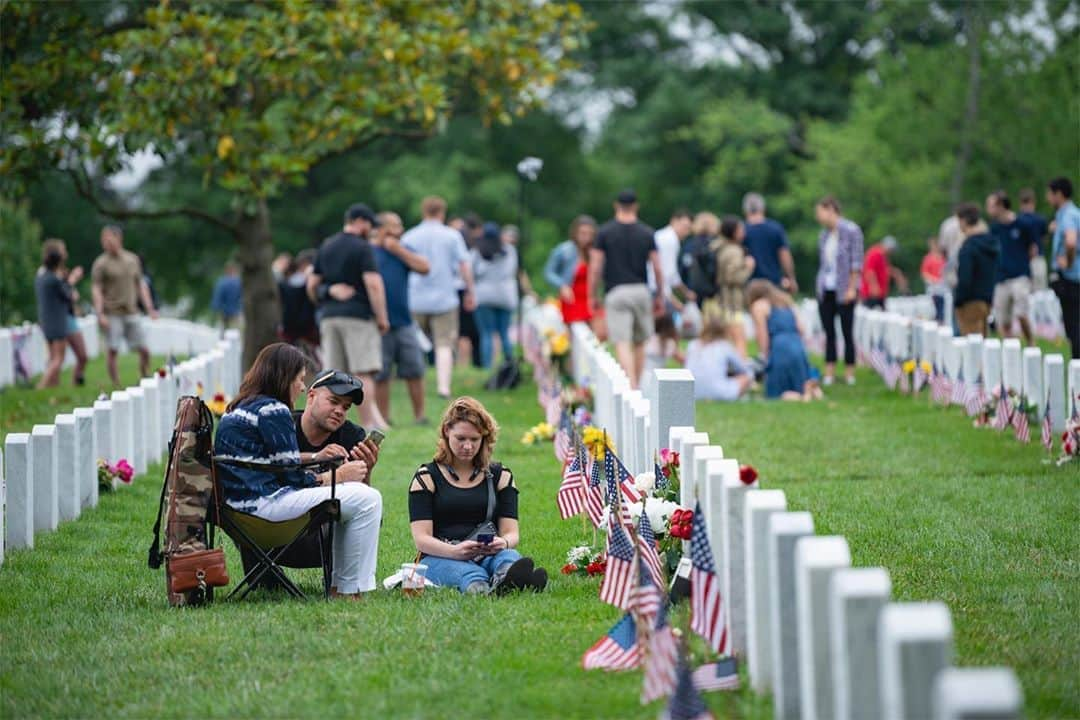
x: 278, y: 468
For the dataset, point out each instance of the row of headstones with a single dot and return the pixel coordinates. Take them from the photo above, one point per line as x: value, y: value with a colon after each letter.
x: 1044, y: 311
x: 165, y: 336
x: 50, y: 475
x: 821, y: 635
x: 991, y: 361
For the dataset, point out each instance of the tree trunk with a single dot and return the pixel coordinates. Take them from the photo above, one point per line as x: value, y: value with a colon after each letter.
x: 971, y: 106
x: 262, y: 309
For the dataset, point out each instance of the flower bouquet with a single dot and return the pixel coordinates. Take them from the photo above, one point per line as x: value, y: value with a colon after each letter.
x: 1070, y: 441
x: 583, y: 560
x: 594, y: 439
x: 669, y: 466
x: 218, y: 404
x: 107, y: 473
x: 539, y: 433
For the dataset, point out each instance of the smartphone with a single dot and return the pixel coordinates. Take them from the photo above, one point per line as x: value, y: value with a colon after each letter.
x: 485, y: 538
x: 376, y: 436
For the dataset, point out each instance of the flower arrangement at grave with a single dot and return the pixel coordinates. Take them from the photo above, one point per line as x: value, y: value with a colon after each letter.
x: 1070, y: 441
x: 555, y: 348
x: 1015, y: 403
x: 162, y: 372
x: 576, y: 397
x: 584, y: 560
x: 909, y: 368
x: 748, y: 475
x: 669, y: 466
x: 539, y: 433
x: 218, y: 404
x: 594, y: 439
x: 106, y: 473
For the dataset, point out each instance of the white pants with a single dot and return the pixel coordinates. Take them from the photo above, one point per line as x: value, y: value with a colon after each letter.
x: 356, y: 539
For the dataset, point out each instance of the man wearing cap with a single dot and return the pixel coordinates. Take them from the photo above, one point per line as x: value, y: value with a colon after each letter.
x: 876, y: 273
x: 625, y: 247
x: 348, y: 290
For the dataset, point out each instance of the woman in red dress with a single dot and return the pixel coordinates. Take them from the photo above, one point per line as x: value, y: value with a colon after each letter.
x: 574, y: 298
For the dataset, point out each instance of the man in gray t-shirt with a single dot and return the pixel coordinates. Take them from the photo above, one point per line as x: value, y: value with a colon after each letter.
x: 433, y: 298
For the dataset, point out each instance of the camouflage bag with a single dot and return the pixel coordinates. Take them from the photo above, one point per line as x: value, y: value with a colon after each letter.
x: 192, y: 567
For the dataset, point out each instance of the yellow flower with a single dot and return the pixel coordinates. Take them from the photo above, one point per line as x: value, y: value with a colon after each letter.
x: 560, y: 344
x: 909, y: 367
x: 926, y: 367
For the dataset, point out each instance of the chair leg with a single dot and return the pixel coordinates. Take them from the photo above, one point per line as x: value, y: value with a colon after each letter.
x: 328, y: 558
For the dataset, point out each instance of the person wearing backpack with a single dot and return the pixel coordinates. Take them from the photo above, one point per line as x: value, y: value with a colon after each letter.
x: 697, y: 262
x: 733, y: 268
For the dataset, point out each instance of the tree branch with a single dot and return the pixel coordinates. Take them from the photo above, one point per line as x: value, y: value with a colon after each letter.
x: 84, y: 188
x: 368, y: 140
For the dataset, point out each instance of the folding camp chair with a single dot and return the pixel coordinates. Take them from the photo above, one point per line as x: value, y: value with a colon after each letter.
x: 269, y: 541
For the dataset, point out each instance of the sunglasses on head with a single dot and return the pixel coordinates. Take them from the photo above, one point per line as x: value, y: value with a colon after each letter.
x: 335, y: 377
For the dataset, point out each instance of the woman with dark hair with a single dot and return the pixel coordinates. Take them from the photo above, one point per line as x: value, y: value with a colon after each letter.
x: 840, y: 251
x: 567, y: 270
x: 463, y: 509
x: 494, y: 265
x: 56, y: 298
x: 258, y: 426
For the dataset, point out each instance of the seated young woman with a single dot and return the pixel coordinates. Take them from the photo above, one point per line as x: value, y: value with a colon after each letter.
x: 719, y: 371
x: 258, y: 426
x: 454, y: 496
x: 780, y: 333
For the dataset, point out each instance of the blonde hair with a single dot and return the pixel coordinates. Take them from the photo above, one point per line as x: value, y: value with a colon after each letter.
x: 470, y: 410
x: 432, y: 206
x: 716, y: 321
x: 707, y: 224
x: 762, y: 288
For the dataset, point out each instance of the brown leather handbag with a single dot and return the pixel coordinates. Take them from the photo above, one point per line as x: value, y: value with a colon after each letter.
x: 197, y: 570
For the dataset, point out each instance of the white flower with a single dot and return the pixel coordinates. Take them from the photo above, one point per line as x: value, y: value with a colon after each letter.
x: 635, y: 511
x: 577, y: 554
x: 660, y: 512
x: 645, y: 482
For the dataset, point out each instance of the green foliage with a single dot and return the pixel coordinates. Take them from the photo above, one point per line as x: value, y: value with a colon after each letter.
x: 19, y: 251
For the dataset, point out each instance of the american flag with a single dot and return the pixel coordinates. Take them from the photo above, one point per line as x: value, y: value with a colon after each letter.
x: 905, y: 382
x: 647, y: 597
x: 941, y: 388
x: 617, y: 650
x: 620, y: 577
x: 720, y: 675
x: 686, y: 702
x: 1020, y: 423
x: 647, y: 546
x: 706, y: 605
x: 918, y: 378
x: 975, y: 399
x: 661, y: 663
x: 1047, y: 428
x: 571, y: 495
x: 959, y: 391
x: 892, y: 374
x: 626, y: 482
x: 562, y: 439
x: 661, y: 478
x: 1002, y: 416
x: 614, y: 497
x: 594, y: 494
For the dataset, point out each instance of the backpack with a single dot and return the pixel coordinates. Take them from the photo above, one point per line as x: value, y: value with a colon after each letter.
x: 506, y: 377
x: 699, y: 268
x: 192, y: 567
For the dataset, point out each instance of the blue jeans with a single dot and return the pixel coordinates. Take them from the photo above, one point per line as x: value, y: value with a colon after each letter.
x: 490, y: 320
x: 447, y: 572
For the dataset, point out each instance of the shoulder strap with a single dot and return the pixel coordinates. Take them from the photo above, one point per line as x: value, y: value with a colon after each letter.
x: 154, y: 558
x: 494, y: 471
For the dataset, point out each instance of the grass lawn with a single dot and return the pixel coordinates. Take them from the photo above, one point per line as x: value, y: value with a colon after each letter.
x: 963, y: 515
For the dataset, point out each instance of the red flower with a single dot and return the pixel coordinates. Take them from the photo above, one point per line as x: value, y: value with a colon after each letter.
x: 747, y: 474
x: 596, y: 568
x: 666, y: 470
x: 568, y: 569
x: 161, y: 372
x: 675, y: 459
x: 219, y: 397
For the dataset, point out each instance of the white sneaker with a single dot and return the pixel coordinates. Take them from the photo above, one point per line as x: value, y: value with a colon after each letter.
x: 828, y: 380
x: 850, y: 381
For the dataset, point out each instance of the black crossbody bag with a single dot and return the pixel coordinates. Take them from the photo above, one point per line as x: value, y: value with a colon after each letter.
x: 487, y: 527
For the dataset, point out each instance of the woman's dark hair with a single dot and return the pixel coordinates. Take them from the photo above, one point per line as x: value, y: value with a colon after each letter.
x: 968, y: 213
x: 52, y: 254
x: 830, y: 201
x: 272, y: 374
x: 1061, y: 185
x: 490, y: 243
x: 729, y: 226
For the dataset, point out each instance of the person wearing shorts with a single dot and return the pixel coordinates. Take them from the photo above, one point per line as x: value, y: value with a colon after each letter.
x: 1012, y: 291
x: 625, y: 247
x: 401, y: 343
x: 433, y: 298
x: 346, y: 285
x: 117, y: 287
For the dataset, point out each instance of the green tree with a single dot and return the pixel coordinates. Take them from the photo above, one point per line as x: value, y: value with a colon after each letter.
x: 256, y: 95
x: 21, y: 245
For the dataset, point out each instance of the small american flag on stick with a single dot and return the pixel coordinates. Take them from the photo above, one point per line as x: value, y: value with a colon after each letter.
x: 706, y: 604
x: 617, y: 650
x: 620, y: 576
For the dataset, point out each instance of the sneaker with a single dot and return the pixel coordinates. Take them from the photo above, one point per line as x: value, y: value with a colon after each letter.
x: 514, y: 576
x: 422, y: 421
x: 828, y: 380
x: 538, y: 581
x: 850, y: 380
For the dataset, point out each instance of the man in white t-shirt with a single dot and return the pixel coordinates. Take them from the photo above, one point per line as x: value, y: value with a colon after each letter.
x: 668, y: 243
x: 433, y: 298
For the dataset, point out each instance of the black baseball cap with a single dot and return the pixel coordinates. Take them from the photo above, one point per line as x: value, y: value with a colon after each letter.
x: 626, y: 197
x: 341, y: 383
x: 359, y: 211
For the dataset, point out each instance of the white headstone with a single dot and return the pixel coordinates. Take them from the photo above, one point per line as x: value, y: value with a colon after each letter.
x: 785, y: 530
x: 816, y: 559
x: 168, y: 409
x: 69, y: 489
x: 760, y: 505
x: 973, y: 358
x: 672, y: 402
x: 955, y: 358
x: 733, y: 553
x: 151, y: 388
x: 914, y: 644
x: 122, y: 428
x: 138, y: 429
x: 615, y: 429
x: 103, y: 430
x: 945, y: 336
x: 991, y: 363
x: 856, y: 597
x: 687, y: 481
x: 710, y: 473
x: 1033, y: 378
x: 19, y: 481
x: 987, y: 693
x: 1074, y: 383
x: 645, y: 446
x: 675, y: 438
x: 1054, y: 386
x: 7, y: 357
x: 1011, y: 364
x: 85, y: 434
x: 46, y: 507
